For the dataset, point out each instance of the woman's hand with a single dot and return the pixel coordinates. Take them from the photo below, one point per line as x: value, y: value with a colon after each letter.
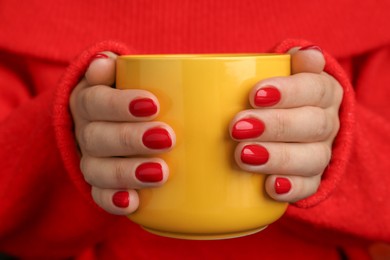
x: 111, y: 124
x: 288, y: 134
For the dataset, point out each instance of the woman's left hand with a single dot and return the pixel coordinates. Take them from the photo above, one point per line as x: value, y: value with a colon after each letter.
x: 288, y: 134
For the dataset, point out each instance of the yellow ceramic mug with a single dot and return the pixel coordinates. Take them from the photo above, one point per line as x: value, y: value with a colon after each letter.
x: 206, y: 196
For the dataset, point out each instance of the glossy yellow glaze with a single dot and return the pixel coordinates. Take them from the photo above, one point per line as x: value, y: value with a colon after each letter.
x: 206, y: 196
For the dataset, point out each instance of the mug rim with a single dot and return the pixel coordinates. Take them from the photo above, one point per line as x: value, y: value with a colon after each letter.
x: 203, y: 56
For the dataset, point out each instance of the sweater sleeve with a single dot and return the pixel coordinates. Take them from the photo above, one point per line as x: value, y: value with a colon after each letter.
x: 42, y: 211
x: 352, y: 195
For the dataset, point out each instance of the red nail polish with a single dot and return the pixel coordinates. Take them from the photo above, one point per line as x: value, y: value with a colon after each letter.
x: 267, y: 96
x: 282, y: 185
x: 121, y: 199
x: 149, y: 172
x: 254, y: 154
x: 100, y: 56
x: 142, y: 107
x: 157, y: 138
x: 247, y: 128
x: 311, y: 47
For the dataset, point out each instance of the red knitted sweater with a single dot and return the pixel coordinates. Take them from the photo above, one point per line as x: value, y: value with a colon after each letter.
x: 45, y: 46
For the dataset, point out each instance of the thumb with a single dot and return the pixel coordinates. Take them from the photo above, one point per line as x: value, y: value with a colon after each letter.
x: 101, y: 70
x: 307, y: 59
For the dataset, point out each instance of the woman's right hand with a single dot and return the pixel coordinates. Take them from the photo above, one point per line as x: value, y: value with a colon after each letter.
x: 116, y: 136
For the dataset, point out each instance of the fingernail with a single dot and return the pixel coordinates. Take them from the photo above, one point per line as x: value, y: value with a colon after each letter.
x: 121, y: 199
x: 311, y: 47
x: 247, y: 128
x: 157, y: 138
x: 267, y: 96
x: 100, y: 56
x: 142, y: 107
x: 149, y: 172
x: 254, y: 154
x: 282, y: 185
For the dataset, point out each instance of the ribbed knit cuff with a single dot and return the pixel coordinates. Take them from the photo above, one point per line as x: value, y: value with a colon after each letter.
x: 62, y: 119
x: 342, y: 145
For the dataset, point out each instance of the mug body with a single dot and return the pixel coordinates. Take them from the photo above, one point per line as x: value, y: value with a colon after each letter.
x: 206, y: 196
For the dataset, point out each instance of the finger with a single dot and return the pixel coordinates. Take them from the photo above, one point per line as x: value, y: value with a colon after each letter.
x: 283, y: 158
x: 303, y: 89
x: 124, y: 173
x: 106, y: 139
x: 307, y: 59
x: 101, y: 70
x: 101, y: 103
x: 118, y: 202
x: 291, y: 188
x: 303, y: 124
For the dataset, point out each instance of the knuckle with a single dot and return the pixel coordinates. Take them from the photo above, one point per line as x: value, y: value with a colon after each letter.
x: 281, y: 126
x: 323, y: 88
x: 322, y: 154
x: 323, y: 85
x: 314, y: 184
x: 126, y: 137
x: 110, y: 99
x: 336, y: 127
x: 87, y: 97
x: 86, y: 138
x: 323, y: 127
x: 120, y: 172
x: 339, y: 93
x: 327, y: 154
x: 332, y: 84
x: 284, y: 157
x: 86, y: 169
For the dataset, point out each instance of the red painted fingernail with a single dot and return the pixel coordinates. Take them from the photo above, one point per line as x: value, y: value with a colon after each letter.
x: 282, y: 185
x: 247, y: 128
x: 149, y: 172
x: 100, y: 56
x: 142, y: 107
x: 121, y: 199
x: 157, y: 138
x: 254, y: 154
x: 267, y: 96
x: 311, y: 47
